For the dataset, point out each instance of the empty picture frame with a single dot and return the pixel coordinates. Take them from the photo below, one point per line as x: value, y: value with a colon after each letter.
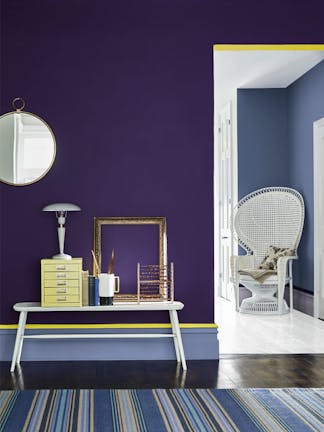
x: 134, y: 239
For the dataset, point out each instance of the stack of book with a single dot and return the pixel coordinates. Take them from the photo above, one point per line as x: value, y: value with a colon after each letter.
x: 90, y: 289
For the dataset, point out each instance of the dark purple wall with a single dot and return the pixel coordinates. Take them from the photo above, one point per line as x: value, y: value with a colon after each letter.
x: 127, y: 88
x: 132, y: 245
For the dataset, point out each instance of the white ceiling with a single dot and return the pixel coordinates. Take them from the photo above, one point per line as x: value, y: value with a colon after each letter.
x: 261, y: 69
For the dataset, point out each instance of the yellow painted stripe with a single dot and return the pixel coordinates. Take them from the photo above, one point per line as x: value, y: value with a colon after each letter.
x: 266, y: 47
x: 199, y: 325
x: 112, y: 326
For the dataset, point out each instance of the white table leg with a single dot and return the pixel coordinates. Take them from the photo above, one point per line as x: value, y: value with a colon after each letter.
x: 178, y: 339
x: 19, y: 340
x: 176, y: 346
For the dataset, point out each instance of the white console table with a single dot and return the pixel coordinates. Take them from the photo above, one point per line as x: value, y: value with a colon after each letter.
x: 171, y: 307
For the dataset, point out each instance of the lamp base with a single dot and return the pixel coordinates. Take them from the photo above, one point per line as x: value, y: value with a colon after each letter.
x: 62, y: 256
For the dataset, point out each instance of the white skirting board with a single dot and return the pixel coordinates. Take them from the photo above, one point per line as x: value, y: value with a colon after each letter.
x: 199, y: 344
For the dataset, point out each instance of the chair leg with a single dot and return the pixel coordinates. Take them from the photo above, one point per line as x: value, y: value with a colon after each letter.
x: 291, y: 288
x: 237, y: 295
x: 281, y: 289
x: 291, y: 296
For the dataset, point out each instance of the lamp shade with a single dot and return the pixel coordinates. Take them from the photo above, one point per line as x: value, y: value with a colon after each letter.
x: 61, y: 207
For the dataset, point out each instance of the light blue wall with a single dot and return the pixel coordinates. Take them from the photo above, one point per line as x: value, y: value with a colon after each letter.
x: 262, y: 139
x: 305, y: 105
x: 198, y: 343
x: 275, y: 147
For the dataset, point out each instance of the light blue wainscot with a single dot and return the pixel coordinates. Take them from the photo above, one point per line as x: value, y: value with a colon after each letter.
x: 200, y: 342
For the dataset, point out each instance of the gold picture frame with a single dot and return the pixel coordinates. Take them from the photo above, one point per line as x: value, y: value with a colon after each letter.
x: 99, y: 222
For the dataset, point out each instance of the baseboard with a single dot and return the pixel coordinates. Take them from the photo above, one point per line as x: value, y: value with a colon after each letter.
x: 303, y: 300
x: 199, y: 344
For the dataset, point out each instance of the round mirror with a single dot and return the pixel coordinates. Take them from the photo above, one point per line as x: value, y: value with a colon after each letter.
x: 27, y: 148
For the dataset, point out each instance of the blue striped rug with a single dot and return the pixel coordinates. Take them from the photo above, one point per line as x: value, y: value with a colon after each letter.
x: 239, y: 410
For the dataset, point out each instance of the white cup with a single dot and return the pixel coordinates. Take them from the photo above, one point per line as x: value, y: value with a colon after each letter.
x: 109, y: 284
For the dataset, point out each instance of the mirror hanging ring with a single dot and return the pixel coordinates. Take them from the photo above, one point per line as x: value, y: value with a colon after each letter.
x: 27, y: 146
x: 15, y: 104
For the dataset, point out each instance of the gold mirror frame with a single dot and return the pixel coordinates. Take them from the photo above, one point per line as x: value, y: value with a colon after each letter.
x: 99, y: 222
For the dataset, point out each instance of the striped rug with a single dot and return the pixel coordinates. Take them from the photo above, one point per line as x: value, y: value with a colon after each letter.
x: 240, y: 410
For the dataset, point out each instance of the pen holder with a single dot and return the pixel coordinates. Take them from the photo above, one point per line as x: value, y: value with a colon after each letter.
x: 109, y: 284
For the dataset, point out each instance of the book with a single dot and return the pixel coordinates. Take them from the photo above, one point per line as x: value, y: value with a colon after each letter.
x: 85, y: 288
x: 96, y: 292
x: 91, y: 290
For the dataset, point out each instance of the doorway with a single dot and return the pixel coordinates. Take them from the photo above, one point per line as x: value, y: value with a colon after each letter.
x: 243, y: 68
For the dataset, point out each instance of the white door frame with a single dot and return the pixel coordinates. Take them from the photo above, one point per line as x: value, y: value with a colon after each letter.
x: 217, y: 157
x: 318, y: 135
x: 225, y: 208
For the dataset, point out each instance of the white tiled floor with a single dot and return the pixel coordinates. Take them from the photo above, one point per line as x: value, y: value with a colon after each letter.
x: 292, y: 333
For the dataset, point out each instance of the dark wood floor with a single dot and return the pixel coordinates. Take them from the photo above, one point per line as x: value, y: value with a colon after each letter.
x: 304, y: 370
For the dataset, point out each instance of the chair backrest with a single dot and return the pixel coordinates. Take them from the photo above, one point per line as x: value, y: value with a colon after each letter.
x: 272, y: 216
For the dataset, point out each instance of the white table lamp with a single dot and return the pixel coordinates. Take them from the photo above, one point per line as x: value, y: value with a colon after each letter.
x: 61, y: 210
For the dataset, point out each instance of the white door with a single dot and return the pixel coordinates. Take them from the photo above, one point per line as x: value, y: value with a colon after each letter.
x: 225, y: 201
x: 318, y: 137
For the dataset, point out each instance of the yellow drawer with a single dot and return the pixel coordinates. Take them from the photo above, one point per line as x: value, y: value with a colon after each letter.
x: 65, y: 266
x: 53, y: 283
x: 61, y: 291
x: 62, y: 300
x: 61, y: 275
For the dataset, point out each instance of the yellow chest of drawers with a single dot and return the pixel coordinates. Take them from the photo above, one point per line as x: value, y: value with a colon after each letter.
x: 61, y: 282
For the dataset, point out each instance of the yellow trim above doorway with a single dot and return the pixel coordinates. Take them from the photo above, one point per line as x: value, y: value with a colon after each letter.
x: 266, y: 47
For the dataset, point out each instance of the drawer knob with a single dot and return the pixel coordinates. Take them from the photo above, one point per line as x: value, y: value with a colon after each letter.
x: 61, y: 275
x: 61, y: 298
x: 61, y: 267
x: 61, y: 290
x: 61, y: 283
